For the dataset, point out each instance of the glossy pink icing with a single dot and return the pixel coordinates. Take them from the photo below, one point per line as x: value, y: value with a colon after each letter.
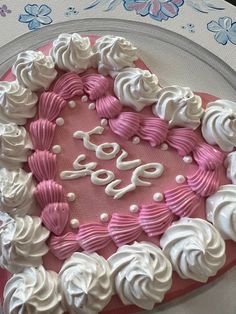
x: 64, y: 246
x: 95, y: 85
x: 48, y: 192
x: 204, y: 182
x: 68, y: 86
x: 108, y: 107
x: 126, y: 124
x: 208, y: 157
x: 42, y: 132
x: 154, y: 130
x: 43, y: 165
x: 55, y: 217
x: 50, y: 105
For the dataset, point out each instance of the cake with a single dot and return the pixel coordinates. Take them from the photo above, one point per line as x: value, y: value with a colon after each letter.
x: 116, y: 193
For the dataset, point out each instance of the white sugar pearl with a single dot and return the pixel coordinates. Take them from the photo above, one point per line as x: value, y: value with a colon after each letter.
x: 164, y: 146
x: 72, y: 104
x: 133, y: 208
x: 180, y: 178
x: 188, y: 159
x: 92, y: 106
x: 74, y: 223
x: 136, y: 140
x: 56, y: 149
x: 60, y: 121
x: 103, y: 122
x: 158, y: 197
x: 71, y: 196
x: 84, y: 98
x: 104, y: 217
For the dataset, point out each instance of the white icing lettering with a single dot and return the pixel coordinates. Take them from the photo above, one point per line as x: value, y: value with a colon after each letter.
x: 126, y: 165
x: 101, y: 154
x: 96, y: 177
x: 118, y: 193
x: 85, y: 136
x: 142, y: 171
x: 78, y: 166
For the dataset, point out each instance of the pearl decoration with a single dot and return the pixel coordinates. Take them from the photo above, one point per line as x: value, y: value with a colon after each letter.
x: 92, y: 106
x: 158, y: 197
x: 71, y: 196
x: 133, y: 208
x: 72, y: 104
x: 180, y: 179
x: 103, y: 122
x: 188, y: 159
x: 136, y: 140
x: 164, y: 146
x: 56, y: 149
x: 74, y: 223
x: 104, y: 217
x: 84, y: 98
x: 60, y: 121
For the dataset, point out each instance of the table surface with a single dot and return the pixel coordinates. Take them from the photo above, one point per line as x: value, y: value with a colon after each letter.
x: 210, y: 24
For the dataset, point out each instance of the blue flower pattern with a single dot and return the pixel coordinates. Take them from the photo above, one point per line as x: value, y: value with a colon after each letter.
x: 224, y: 29
x: 36, y: 16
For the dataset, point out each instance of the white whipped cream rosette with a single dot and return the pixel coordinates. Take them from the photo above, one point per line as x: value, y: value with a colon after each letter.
x: 141, y: 273
x: 136, y: 88
x: 221, y: 211
x: 16, y: 192
x: 15, y: 145
x: 113, y: 53
x: 17, y: 103
x: 71, y: 52
x: 230, y: 165
x: 34, y: 70
x: 85, y: 283
x: 33, y: 291
x: 179, y: 106
x: 195, y: 248
x: 219, y: 124
x: 22, y: 242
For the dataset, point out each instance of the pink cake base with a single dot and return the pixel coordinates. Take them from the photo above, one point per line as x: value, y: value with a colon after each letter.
x: 82, y: 208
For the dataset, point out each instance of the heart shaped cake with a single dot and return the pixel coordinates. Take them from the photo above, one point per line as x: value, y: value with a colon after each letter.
x: 116, y: 193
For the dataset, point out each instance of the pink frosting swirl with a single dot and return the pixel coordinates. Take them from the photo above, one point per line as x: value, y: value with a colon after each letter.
x: 42, y: 134
x: 43, y: 165
x: 50, y: 105
x: 108, y: 107
x: 208, y: 157
x: 153, y: 130
x: 64, y: 246
x: 48, y: 192
x: 69, y: 85
x: 95, y: 85
x: 126, y: 124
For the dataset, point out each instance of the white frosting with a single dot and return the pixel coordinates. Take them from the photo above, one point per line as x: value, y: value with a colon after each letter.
x: 97, y: 177
x: 113, y: 53
x: 85, y: 282
x: 136, y: 88
x: 219, y: 124
x: 194, y: 247
x: 126, y: 165
x: 71, y: 52
x: 16, y: 192
x: 15, y: 145
x: 33, y: 291
x: 102, y: 154
x: 179, y: 106
x: 230, y: 164
x: 17, y: 103
x: 34, y: 70
x: 22, y: 243
x: 142, y: 274
x: 221, y: 211
x: 85, y: 136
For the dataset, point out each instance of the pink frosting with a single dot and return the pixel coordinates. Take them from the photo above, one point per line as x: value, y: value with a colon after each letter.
x: 126, y: 124
x: 42, y: 133
x: 155, y: 218
x: 204, y: 182
x: 182, y: 201
x: 95, y: 85
x: 184, y: 140
x: 64, y: 246
x: 48, y: 192
x: 108, y: 107
x: 50, y: 105
x: 153, y: 130
x: 43, y: 165
x: 208, y: 157
x: 55, y: 217
x: 69, y: 85
x: 124, y: 229
x: 93, y: 236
